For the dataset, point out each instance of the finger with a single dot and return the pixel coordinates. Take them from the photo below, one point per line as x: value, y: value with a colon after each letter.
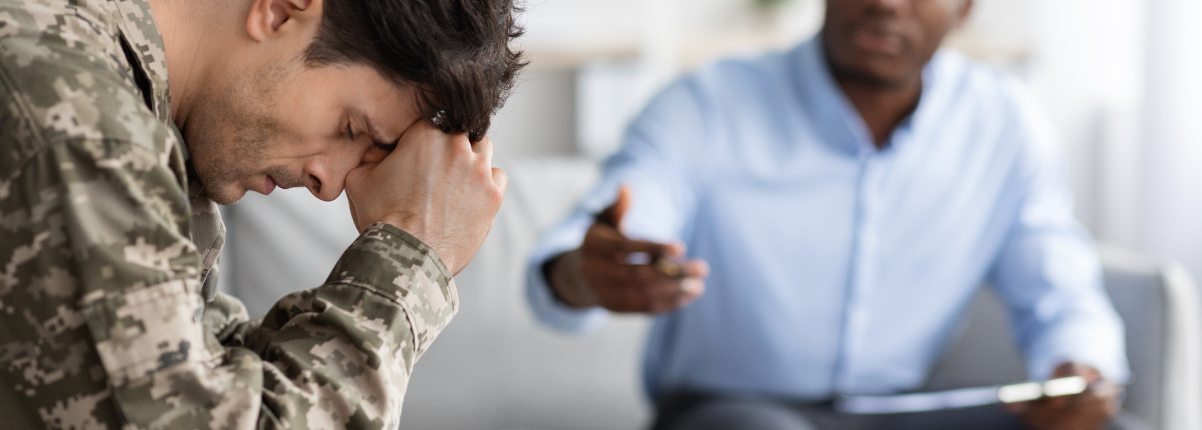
x: 626, y: 251
x: 418, y: 126
x: 696, y: 269
x: 646, y: 296
x: 647, y: 280
x: 608, y: 242
x: 1018, y: 408
x: 463, y: 146
x: 621, y: 279
x: 500, y: 179
x: 1061, y: 402
x: 674, y: 294
x: 1106, y: 390
x: 1070, y: 368
x: 483, y: 147
x: 417, y: 132
x: 693, y: 289
x: 683, y: 291
x: 615, y: 212
x: 355, y: 179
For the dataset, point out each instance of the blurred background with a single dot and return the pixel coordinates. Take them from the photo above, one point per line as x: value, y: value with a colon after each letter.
x: 1120, y: 79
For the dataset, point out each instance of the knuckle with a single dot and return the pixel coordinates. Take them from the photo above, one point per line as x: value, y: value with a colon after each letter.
x: 461, y: 143
x: 482, y: 171
x: 495, y: 196
x: 484, y: 146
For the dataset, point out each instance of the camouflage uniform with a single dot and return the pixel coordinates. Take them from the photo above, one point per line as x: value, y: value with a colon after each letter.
x: 106, y: 243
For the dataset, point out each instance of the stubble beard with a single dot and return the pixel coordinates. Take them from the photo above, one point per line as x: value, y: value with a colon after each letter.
x: 231, y: 135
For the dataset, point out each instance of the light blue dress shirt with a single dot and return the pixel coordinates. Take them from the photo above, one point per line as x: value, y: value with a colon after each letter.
x: 837, y: 267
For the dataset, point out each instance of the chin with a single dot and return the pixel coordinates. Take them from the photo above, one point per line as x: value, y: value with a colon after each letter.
x: 226, y: 197
x: 869, y: 76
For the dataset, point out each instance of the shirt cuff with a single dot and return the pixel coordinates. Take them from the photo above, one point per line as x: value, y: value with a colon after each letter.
x: 551, y: 311
x: 392, y: 262
x: 1104, y: 352
x: 547, y: 308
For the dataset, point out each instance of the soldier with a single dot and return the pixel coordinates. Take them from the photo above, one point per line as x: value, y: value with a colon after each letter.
x: 124, y: 122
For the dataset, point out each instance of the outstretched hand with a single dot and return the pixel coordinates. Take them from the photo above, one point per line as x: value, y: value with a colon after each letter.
x: 438, y: 187
x: 622, y: 274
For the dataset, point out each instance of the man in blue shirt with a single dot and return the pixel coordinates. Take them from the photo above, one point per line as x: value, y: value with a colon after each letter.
x: 839, y: 203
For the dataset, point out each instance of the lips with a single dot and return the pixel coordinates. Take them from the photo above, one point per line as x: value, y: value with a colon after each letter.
x: 878, y: 40
x: 268, y: 185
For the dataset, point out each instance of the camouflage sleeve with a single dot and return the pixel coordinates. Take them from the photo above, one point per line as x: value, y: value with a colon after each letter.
x: 338, y: 356
x: 99, y: 286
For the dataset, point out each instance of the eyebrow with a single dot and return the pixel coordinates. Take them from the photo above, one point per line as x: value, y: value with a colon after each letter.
x: 376, y: 136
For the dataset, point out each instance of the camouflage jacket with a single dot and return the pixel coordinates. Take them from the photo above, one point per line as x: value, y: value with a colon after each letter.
x: 106, y: 320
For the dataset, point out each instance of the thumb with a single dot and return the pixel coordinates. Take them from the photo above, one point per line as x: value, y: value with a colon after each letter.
x: 355, y: 179
x: 616, y: 211
x: 500, y: 179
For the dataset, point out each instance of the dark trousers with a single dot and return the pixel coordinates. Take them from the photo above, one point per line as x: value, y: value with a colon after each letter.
x: 696, y: 411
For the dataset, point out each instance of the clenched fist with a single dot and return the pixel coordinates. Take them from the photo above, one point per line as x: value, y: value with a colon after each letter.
x: 440, y: 188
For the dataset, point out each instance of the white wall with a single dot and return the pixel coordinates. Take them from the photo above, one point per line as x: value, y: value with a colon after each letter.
x: 1171, y: 135
x: 1128, y: 151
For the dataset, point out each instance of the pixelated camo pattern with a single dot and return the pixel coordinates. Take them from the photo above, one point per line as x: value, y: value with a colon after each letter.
x: 109, y: 316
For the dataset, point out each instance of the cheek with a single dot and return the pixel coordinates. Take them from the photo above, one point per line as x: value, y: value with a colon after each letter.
x: 304, y: 110
x: 935, y: 20
x: 302, y: 132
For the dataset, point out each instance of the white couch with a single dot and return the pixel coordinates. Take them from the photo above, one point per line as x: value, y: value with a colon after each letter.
x: 495, y: 368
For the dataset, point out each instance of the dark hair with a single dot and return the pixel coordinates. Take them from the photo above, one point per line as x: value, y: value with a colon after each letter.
x: 456, y: 52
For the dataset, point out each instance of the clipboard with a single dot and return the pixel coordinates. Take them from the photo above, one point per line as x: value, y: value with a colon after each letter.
x: 960, y: 398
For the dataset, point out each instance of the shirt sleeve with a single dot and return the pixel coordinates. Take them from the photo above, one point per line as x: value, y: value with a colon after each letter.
x: 1048, y: 272
x: 659, y: 160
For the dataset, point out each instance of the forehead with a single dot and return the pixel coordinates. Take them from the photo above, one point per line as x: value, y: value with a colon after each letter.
x: 364, y: 81
x: 359, y: 89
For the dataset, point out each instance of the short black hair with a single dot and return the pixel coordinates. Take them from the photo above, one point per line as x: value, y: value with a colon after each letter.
x: 456, y: 52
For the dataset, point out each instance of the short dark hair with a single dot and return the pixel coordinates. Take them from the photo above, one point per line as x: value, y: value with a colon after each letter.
x: 456, y: 52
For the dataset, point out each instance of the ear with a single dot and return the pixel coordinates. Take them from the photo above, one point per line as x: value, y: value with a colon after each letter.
x: 271, y: 18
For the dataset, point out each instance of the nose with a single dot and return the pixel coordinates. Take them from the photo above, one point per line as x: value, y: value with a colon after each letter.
x: 325, y: 178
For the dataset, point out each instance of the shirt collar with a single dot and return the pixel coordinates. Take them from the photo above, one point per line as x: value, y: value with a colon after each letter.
x: 137, y: 26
